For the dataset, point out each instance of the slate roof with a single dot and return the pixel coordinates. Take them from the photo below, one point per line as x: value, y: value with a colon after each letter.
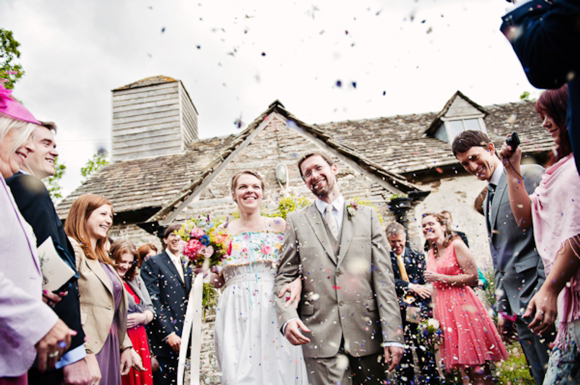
x: 147, y: 183
x: 392, y: 147
x: 398, y: 143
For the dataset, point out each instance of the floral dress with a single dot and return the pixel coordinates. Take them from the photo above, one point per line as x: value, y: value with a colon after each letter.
x: 249, y: 346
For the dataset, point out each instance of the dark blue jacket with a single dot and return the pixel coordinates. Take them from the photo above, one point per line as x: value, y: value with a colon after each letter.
x: 547, y: 42
x: 415, y: 265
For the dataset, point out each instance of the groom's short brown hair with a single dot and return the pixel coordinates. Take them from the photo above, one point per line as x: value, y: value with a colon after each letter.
x: 307, y: 155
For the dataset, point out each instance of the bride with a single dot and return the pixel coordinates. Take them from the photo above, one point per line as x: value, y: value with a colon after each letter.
x: 250, y: 348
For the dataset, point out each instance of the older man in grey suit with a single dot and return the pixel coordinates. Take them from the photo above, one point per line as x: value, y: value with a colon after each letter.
x: 519, y: 271
x: 348, y: 315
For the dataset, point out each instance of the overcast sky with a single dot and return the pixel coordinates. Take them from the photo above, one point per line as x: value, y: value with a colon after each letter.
x: 236, y: 57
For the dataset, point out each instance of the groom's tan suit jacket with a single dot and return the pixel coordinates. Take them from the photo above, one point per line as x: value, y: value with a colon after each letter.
x: 348, y: 290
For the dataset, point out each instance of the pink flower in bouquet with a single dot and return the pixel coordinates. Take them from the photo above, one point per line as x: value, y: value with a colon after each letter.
x: 266, y: 249
x: 192, y: 249
x: 196, y: 232
x: 207, y: 251
x: 230, y: 249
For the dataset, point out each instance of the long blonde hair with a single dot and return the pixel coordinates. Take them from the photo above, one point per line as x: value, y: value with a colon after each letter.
x: 76, y: 225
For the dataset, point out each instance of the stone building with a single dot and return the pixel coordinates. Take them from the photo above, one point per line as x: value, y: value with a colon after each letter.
x: 163, y: 173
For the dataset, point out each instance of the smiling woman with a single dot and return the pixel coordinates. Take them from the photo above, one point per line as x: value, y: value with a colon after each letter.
x: 102, y: 295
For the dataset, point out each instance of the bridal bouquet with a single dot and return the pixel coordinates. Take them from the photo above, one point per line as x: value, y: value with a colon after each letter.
x: 204, y: 240
x: 206, y: 245
x: 430, y: 334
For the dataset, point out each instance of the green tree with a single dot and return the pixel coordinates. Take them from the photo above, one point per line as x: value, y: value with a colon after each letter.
x: 10, y: 72
x: 95, y: 163
x: 53, y: 182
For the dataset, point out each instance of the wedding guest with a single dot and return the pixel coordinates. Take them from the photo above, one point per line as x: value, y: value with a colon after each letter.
x: 103, y: 299
x: 447, y: 215
x: 518, y: 268
x: 415, y: 304
x: 554, y: 211
x: 35, y: 204
x: 145, y: 252
x: 470, y: 339
x: 249, y: 346
x: 28, y: 326
x: 141, y: 310
x: 168, y: 280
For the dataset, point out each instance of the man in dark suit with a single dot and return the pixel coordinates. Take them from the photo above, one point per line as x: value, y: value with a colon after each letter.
x: 36, y: 206
x: 415, y: 304
x: 519, y: 271
x: 168, y: 281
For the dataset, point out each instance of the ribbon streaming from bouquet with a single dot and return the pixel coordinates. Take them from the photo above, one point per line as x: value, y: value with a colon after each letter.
x: 192, y: 327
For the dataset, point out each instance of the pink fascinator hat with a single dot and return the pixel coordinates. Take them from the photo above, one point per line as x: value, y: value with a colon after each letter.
x: 12, y: 108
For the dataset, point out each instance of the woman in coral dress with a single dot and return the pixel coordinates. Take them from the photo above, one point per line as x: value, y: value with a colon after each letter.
x: 249, y: 346
x: 470, y: 338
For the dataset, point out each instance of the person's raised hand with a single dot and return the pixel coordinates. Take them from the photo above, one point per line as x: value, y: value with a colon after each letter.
x: 511, y: 158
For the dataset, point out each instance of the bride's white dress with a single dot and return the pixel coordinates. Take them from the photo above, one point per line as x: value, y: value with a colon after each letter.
x: 249, y: 346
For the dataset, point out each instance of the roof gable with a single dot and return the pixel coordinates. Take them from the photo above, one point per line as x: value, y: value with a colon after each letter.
x: 458, y: 106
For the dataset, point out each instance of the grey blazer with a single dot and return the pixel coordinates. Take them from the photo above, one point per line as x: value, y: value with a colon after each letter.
x: 348, y: 296
x: 140, y: 290
x: 519, y: 271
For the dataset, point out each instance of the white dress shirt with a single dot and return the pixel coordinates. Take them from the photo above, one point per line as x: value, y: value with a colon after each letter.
x: 177, y: 262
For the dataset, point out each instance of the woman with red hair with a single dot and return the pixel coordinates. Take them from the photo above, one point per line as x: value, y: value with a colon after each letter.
x: 103, y: 299
x: 554, y: 211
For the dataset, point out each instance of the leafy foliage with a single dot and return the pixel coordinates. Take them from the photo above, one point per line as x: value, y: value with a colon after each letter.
x: 525, y: 96
x: 10, y: 72
x: 95, y: 163
x: 288, y: 205
x: 515, y: 370
x: 53, y: 183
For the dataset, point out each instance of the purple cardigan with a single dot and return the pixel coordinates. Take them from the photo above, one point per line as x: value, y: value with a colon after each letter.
x: 24, y: 318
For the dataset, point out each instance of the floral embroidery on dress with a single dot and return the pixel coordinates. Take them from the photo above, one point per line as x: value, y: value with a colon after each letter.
x: 251, y: 247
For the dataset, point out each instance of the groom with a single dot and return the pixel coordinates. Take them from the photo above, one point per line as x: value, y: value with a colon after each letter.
x: 348, y: 315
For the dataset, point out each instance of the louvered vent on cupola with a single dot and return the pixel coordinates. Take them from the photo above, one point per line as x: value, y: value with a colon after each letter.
x: 153, y: 116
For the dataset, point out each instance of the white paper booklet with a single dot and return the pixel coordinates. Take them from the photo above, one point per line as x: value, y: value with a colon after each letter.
x: 55, y: 271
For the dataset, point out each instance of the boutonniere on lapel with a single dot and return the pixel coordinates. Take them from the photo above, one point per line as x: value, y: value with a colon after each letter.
x: 351, y: 210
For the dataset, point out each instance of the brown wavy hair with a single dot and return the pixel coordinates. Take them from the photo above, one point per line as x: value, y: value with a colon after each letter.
x: 554, y: 103
x: 449, y: 235
x: 120, y: 247
x: 143, y: 250
x: 76, y: 225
